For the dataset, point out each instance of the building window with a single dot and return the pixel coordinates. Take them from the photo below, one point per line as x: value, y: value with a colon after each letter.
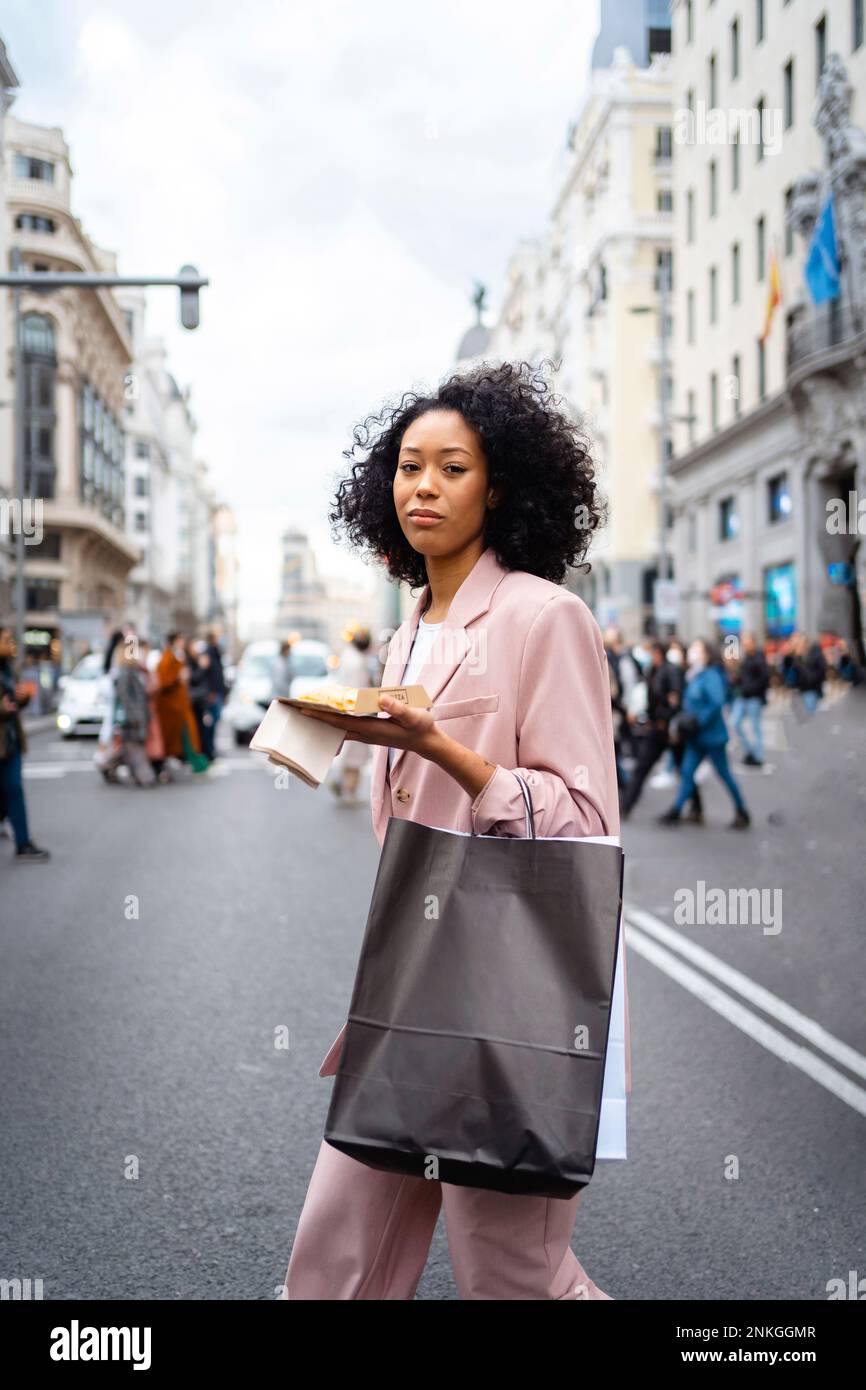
x: 141, y: 485
x: 759, y: 148
x: 42, y: 595
x: 690, y: 22
x: 690, y: 215
x: 728, y: 524
x: 856, y: 24
x: 714, y: 401
x: 760, y: 18
x: 142, y: 449
x: 665, y: 200
x: 102, y: 478
x: 663, y: 143
x: 736, y: 384
x: 691, y: 531
x: 690, y: 317
x: 778, y: 499
x: 28, y: 167
x: 735, y: 161
x: 141, y: 521
x: 735, y: 49
x: 713, y: 188
x: 735, y: 273
x: 760, y: 247
x: 789, y: 230
x: 820, y: 48
x: 711, y: 80
x: 40, y: 373
x: 714, y: 298
x: 762, y: 372
x: 789, y: 93
x: 48, y: 548
x: 33, y: 222
x: 664, y: 264
x: 691, y: 415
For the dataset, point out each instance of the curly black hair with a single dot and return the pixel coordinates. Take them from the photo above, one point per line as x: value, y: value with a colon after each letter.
x: 535, y: 453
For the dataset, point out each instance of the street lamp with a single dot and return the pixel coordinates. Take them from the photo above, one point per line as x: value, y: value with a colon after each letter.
x: 188, y: 281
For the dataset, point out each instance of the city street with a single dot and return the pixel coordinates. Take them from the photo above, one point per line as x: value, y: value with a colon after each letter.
x: 149, y: 966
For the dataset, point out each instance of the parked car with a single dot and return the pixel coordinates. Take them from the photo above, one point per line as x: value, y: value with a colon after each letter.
x: 82, y: 705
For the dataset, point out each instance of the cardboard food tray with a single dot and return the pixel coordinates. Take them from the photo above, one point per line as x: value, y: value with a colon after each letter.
x: 367, y: 702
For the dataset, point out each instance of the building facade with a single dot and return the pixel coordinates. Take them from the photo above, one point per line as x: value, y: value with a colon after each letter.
x: 770, y: 101
x: 77, y: 353
x: 570, y: 296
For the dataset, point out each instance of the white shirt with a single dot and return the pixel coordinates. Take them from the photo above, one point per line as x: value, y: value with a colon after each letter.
x: 425, y: 635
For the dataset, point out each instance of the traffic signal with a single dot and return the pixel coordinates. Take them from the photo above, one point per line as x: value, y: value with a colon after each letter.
x: 189, y: 315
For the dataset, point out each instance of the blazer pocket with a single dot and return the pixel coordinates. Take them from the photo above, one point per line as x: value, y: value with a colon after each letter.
x: 456, y: 709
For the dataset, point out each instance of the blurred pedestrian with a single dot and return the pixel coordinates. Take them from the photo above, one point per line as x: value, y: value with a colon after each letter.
x: 753, y: 682
x: 216, y: 692
x: 105, y: 694
x: 283, y: 671
x: 701, y: 726
x: 804, y: 670
x: 346, y: 768
x: 664, y: 685
x: 177, y: 721
x: 131, y: 718
x: 14, y: 696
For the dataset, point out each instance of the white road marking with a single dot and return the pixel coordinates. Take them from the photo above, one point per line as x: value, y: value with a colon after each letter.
x: 648, y: 943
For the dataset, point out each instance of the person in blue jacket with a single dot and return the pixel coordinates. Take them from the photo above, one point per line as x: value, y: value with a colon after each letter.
x: 704, y: 698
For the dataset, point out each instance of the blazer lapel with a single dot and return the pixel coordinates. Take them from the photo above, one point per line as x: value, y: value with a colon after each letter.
x: 452, y: 643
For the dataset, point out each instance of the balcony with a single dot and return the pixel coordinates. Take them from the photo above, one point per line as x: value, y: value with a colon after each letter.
x: 823, y: 334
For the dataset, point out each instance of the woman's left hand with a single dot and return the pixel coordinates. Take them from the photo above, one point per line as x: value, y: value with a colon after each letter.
x: 414, y: 729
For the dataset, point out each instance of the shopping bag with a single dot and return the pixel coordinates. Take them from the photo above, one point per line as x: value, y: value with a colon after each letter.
x: 477, y: 1033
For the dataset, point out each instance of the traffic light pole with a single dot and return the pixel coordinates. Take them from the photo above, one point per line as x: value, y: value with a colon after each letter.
x: 188, y: 281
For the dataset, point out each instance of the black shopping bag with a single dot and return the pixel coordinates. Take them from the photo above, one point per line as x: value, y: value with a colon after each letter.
x: 476, y: 1035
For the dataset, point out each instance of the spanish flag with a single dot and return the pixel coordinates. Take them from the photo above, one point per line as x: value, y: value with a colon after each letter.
x: 774, y: 293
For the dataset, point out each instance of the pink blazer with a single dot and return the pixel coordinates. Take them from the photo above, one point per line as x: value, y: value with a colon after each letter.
x: 518, y: 672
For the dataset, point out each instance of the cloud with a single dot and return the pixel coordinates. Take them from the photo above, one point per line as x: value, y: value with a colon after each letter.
x: 342, y: 173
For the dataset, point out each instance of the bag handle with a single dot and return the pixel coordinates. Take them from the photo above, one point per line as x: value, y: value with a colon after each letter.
x: 527, y: 801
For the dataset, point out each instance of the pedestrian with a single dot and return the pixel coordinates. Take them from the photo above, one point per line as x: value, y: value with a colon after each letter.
x: 751, y: 696
x: 217, y: 691
x: 283, y: 671
x: 704, y: 732
x: 105, y: 694
x: 14, y: 696
x: 353, y: 757
x: 664, y: 685
x: 198, y: 686
x: 131, y: 718
x: 473, y: 492
x: 154, y: 745
x: 847, y: 668
x: 177, y: 721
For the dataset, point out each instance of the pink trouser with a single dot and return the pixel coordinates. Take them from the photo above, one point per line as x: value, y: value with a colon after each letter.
x: 366, y: 1234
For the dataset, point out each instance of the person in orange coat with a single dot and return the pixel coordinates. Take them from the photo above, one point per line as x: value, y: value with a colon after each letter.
x: 173, y: 708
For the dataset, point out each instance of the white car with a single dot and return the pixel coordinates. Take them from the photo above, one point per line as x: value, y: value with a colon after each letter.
x: 83, y: 704
x: 256, y: 681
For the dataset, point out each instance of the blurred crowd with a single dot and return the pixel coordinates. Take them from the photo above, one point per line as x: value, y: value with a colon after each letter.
x: 162, y: 707
x: 671, y: 702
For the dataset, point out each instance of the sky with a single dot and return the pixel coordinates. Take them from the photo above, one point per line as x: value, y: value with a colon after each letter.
x: 343, y: 174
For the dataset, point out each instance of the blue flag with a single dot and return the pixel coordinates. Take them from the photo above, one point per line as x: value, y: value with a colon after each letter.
x: 822, y: 262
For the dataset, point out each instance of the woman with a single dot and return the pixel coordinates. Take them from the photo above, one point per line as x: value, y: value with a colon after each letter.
x: 14, y: 695
x: 105, y: 694
x: 176, y: 719
x: 484, y: 493
x: 703, y: 704
x: 131, y: 718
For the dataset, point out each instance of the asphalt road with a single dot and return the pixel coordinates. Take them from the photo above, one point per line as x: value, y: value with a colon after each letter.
x: 157, y: 1144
